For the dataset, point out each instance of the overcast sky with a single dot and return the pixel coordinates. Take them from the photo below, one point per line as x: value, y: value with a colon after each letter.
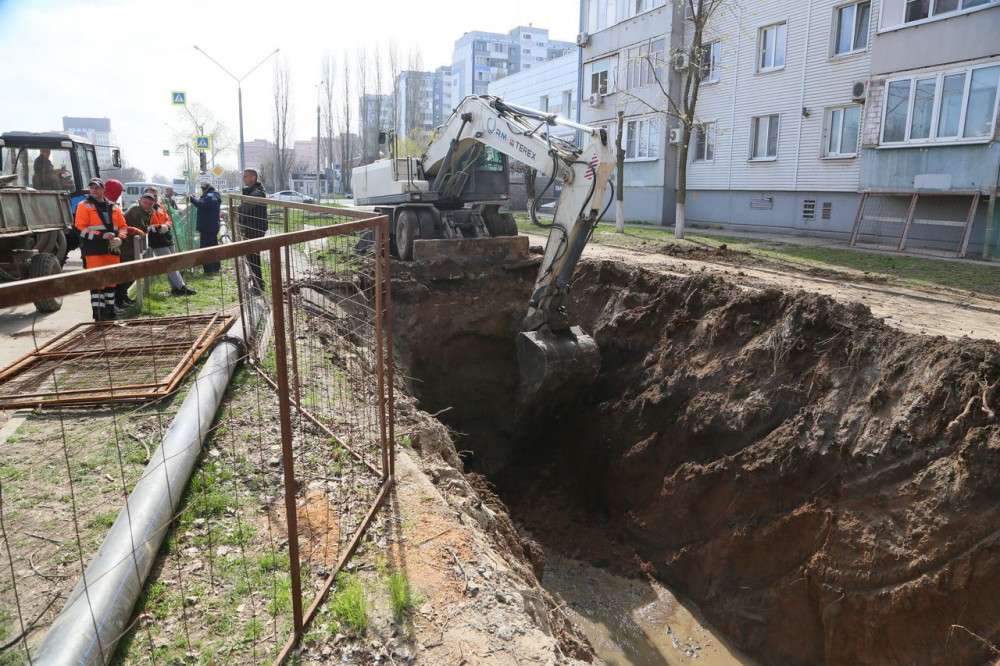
x: 120, y: 59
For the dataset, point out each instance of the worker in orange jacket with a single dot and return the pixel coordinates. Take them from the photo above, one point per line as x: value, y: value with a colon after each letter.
x: 161, y: 242
x: 102, y: 229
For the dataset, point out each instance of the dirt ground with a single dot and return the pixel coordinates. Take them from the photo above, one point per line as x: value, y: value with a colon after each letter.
x: 816, y: 469
x: 817, y: 473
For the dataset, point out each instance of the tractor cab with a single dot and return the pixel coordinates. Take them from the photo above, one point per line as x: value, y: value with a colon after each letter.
x: 52, y: 161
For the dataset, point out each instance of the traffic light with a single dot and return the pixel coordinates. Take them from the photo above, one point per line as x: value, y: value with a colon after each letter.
x: 203, y: 162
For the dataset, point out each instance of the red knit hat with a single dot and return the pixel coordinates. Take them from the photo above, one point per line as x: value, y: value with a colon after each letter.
x: 112, y: 189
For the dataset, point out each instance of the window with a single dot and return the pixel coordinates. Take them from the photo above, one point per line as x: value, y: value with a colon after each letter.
x: 852, y: 28
x: 764, y: 138
x: 646, y: 5
x: 644, y: 65
x: 704, y: 143
x: 711, y: 54
x: 842, y: 124
x: 642, y: 139
x: 527, y: 51
x: 771, y: 47
x: 602, y: 14
x: 543, y: 103
x: 597, y: 74
x: 949, y: 107
x: 918, y: 10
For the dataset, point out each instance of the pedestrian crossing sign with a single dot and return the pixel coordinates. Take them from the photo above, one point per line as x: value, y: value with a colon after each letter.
x: 179, y: 97
x: 203, y: 142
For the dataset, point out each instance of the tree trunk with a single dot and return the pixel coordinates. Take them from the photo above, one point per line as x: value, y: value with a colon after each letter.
x: 620, y: 178
x: 679, y: 219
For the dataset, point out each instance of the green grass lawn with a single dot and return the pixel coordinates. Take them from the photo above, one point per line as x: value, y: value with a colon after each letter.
x: 897, y: 269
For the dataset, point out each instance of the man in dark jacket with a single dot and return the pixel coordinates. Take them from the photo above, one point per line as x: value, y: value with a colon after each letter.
x: 253, y: 221
x: 209, y: 206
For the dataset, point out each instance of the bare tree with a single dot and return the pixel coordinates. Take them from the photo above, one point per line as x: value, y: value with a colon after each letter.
x: 365, y: 110
x: 198, y: 120
x: 329, y: 71
x: 694, y: 65
x: 346, y: 149
x: 395, y: 69
x: 378, y: 106
x: 283, y: 126
x: 414, y: 126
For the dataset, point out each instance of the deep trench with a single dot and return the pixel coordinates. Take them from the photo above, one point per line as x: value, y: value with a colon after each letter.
x: 822, y: 486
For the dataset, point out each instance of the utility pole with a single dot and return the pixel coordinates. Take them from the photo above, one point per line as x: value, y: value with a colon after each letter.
x: 239, y: 91
x: 318, y: 140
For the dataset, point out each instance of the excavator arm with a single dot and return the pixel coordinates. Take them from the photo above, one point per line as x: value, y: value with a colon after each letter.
x: 551, y: 353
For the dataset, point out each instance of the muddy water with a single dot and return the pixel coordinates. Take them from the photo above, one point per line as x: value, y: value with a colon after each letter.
x: 632, y: 622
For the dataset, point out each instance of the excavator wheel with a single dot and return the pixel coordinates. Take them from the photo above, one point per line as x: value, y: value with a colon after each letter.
x: 406, y: 232
x: 553, y: 364
x: 427, y: 231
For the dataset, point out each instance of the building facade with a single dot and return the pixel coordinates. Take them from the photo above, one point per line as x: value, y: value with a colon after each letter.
x: 625, y: 68
x: 930, y: 127
x: 415, y: 103
x: 375, y: 113
x: 778, y: 117
x: 256, y: 152
x: 479, y: 58
x: 97, y: 131
x: 806, y: 111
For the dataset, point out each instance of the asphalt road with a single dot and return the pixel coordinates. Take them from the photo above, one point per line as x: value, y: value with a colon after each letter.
x: 23, y: 329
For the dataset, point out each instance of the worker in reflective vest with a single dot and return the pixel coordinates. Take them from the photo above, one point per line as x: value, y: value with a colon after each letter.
x: 102, y: 229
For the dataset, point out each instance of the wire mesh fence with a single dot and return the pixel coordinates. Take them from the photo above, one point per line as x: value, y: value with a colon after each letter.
x: 228, y: 505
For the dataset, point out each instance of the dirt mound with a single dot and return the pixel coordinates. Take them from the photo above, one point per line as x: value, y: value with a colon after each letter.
x: 823, y: 486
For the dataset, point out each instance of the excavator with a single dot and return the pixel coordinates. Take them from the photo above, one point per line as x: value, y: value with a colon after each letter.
x: 455, y: 191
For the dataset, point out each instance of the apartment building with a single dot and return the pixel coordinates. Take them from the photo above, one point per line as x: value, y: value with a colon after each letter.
x: 375, y: 113
x: 929, y: 136
x: 549, y: 86
x: 626, y: 54
x: 97, y: 131
x: 809, y: 114
x: 779, y: 115
x: 441, y: 100
x: 415, y: 102
x: 480, y: 58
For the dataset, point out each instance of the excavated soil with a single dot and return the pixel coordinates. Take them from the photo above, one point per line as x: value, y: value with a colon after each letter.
x: 823, y: 486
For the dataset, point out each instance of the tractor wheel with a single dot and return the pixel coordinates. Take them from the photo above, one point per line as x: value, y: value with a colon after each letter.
x: 43, y: 265
x: 406, y: 233
x: 427, y: 231
x: 500, y: 224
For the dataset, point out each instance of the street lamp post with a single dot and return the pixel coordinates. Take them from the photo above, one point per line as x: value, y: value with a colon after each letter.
x: 239, y: 90
x: 318, y: 140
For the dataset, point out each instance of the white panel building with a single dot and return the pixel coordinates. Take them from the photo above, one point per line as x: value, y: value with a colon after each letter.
x: 480, y: 58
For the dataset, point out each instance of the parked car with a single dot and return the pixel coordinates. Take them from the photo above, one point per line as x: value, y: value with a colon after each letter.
x: 292, y: 195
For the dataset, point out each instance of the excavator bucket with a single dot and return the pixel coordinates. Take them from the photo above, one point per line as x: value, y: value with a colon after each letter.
x: 554, y: 363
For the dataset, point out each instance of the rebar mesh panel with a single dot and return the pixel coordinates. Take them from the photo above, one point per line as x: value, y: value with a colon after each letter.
x: 127, y: 361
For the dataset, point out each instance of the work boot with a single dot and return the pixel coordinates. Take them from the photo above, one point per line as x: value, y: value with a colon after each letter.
x: 183, y: 291
x: 108, y: 314
x: 97, y: 314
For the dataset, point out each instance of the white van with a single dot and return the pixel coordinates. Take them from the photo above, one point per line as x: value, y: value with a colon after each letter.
x: 132, y: 192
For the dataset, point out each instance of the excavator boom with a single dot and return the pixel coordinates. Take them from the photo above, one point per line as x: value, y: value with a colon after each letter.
x: 427, y: 200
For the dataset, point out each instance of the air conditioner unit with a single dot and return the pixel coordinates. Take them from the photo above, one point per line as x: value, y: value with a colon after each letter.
x: 859, y: 91
x: 676, y: 136
x: 680, y: 61
x: 596, y: 99
x: 582, y: 39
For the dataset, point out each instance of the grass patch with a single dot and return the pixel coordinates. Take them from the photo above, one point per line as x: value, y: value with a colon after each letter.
x: 348, y: 605
x: 403, y: 598
x: 904, y: 270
